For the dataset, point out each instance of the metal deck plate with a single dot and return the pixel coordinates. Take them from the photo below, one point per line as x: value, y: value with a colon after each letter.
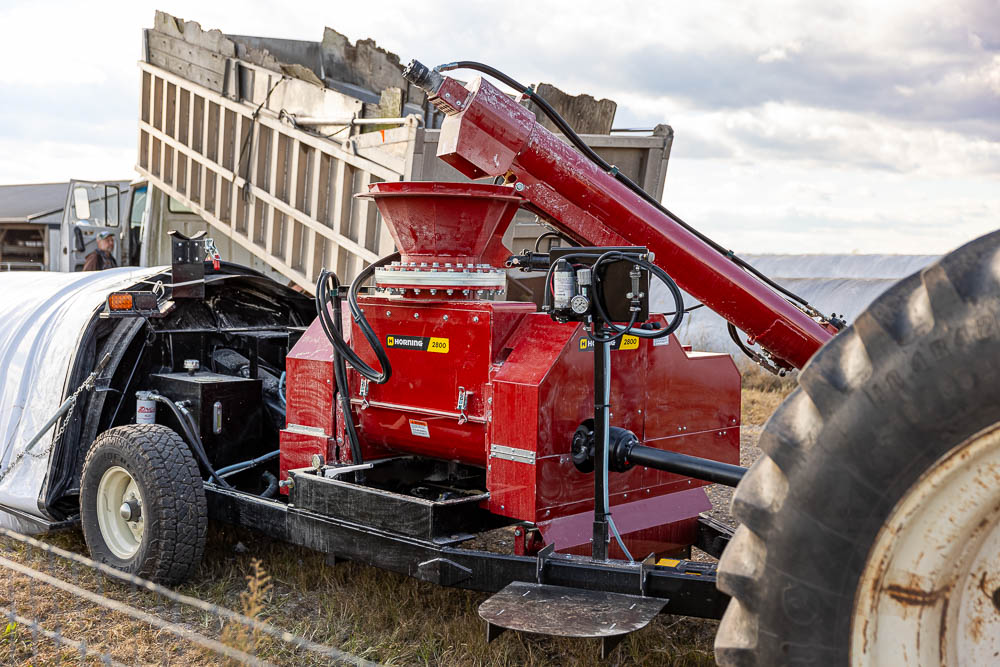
x: 568, y: 612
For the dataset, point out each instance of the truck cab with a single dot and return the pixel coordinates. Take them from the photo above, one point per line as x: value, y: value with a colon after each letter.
x: 91, y: 207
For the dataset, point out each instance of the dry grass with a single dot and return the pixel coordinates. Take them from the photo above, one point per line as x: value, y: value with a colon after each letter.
x: 378, y: 615
x: 125, y: 639
x: 763, y: 392
x: 398, y: 620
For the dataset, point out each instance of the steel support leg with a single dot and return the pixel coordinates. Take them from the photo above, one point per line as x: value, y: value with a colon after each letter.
x: 602, y: 406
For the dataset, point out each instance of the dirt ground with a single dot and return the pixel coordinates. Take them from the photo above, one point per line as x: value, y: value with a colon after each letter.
x: 378, y: 615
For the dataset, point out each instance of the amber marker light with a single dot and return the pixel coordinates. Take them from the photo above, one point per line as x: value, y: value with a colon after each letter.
x: 120, y: 301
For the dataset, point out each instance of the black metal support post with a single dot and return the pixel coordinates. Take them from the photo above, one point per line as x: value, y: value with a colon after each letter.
x: 602, y: 406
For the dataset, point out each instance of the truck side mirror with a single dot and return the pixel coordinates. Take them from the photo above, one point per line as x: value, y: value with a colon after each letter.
x: 81, y: 245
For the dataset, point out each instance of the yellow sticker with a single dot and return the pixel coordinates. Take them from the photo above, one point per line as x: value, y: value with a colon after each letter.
x: 629, y: 343
x: 438, y: 345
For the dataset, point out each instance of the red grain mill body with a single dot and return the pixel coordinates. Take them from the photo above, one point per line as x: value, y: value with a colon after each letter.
x: 494, y: 384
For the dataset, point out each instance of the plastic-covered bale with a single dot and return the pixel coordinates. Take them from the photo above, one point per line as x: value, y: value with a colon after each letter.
x: 842, y: 284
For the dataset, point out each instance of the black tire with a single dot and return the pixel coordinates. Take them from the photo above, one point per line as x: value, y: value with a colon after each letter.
x: 174, y: 510
x: 917, y: 374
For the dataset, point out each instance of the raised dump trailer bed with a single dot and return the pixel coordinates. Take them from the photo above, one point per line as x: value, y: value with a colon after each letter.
x: 270, y: 157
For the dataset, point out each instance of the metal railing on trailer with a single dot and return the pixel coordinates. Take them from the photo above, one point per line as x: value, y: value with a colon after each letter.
x: 283, y: 189
x: 281, y: 193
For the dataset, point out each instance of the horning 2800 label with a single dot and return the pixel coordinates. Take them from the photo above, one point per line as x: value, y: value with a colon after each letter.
x: 419, y: 343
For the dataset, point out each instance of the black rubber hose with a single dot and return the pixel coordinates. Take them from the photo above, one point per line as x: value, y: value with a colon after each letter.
x: 246, y: 465
x: 555, y: 235
x: 272, y: 485
x: 340, y: 377
x: 587, y: 151
x: 612, y: 338
x: 359, y: 317
x: 678, y: 313
x: 756, y: 358
x: 333, y: 332
x: 193, y: 440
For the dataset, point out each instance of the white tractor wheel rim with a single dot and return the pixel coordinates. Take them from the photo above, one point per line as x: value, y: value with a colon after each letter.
x: 930, y: 592
x: 116, y: 488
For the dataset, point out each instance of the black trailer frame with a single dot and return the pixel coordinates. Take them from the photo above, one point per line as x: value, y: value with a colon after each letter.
x: 689, y: 586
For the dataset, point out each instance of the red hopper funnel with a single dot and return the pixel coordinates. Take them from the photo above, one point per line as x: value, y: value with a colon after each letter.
x: 446, y: 222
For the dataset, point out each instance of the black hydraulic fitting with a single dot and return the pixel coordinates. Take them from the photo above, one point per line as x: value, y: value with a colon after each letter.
x: 423, y: 77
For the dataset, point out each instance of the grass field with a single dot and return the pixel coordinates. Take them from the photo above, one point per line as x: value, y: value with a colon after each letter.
x: 378, y: 615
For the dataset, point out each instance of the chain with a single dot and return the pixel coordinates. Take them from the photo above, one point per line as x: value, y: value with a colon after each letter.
x: 68, y: 407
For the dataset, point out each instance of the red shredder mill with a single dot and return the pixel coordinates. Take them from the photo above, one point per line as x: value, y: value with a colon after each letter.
x: 497, y: 386
x: 428, y: 406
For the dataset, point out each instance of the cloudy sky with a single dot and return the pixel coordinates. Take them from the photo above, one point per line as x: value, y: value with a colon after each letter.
x: 800, y: 127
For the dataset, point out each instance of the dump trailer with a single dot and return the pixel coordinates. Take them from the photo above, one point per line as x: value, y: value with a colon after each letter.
x: 263, y: 142
x: 400, y: 418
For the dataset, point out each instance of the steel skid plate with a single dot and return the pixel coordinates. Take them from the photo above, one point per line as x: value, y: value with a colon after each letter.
x: 568, y: 612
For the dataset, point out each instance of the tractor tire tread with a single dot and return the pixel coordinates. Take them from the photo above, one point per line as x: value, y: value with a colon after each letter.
x: 816, y: 439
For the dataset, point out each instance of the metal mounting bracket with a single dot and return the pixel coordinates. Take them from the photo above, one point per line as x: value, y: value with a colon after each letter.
x: 543, y: 555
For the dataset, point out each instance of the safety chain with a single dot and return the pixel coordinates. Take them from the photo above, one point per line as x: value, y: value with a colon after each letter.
x: 67, y: 408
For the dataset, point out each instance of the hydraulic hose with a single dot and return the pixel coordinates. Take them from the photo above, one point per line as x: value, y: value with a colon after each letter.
x: 342, y: 351
x: 192, y: 436
x: 272, y: 485
x: 332, y: 330
x: 244, y: 465
x: 343, y: 392
x: 759, y: 359
x: 615, y: 255
x: 587, y: 151
x: 675, y: 291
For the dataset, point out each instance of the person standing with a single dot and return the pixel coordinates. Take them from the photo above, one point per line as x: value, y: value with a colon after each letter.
x: 102, y: 258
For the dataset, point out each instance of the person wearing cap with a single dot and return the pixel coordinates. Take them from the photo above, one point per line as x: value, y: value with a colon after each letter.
x: 102, y: 258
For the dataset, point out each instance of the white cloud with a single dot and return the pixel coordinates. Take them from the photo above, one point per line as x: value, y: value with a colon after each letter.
x: 776, y: 53
x: 877, y: 129
x: 51, y: 161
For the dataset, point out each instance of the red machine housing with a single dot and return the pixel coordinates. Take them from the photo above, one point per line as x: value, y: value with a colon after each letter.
x: 527, y: 383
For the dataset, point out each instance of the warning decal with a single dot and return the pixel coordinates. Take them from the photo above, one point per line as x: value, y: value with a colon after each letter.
x: 419, y: 428
x: 623, y: 343
x: 419, y: 343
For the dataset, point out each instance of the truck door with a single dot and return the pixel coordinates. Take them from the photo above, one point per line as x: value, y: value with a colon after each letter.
x: 136, y: 210
x: 91, y: 208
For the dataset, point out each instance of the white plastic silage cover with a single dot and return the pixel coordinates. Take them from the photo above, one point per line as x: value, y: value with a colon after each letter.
x: 42, y: 318
x: 842, y: 284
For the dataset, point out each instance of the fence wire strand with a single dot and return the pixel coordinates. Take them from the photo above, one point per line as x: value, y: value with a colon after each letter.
x: 44, y: 589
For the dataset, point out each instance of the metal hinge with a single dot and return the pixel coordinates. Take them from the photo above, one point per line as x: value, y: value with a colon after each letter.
x: 512, y: 454
x: 463, y: 402
x: 363, y: 392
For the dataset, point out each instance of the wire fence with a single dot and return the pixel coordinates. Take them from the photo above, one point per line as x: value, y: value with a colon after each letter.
x: 64, y: 608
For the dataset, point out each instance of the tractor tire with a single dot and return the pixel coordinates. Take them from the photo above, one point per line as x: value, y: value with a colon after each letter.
x: 150, y: 469
x: 871, y: 528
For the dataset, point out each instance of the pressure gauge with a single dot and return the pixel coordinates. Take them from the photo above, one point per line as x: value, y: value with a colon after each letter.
x: 579, y: 304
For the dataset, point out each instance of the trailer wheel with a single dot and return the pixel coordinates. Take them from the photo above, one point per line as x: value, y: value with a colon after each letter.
x: 871, y: 528
x: 142, y: 504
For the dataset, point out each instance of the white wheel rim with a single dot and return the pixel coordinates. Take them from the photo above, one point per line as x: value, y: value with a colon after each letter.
x: 116, y: 488
x: 930, y: 592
